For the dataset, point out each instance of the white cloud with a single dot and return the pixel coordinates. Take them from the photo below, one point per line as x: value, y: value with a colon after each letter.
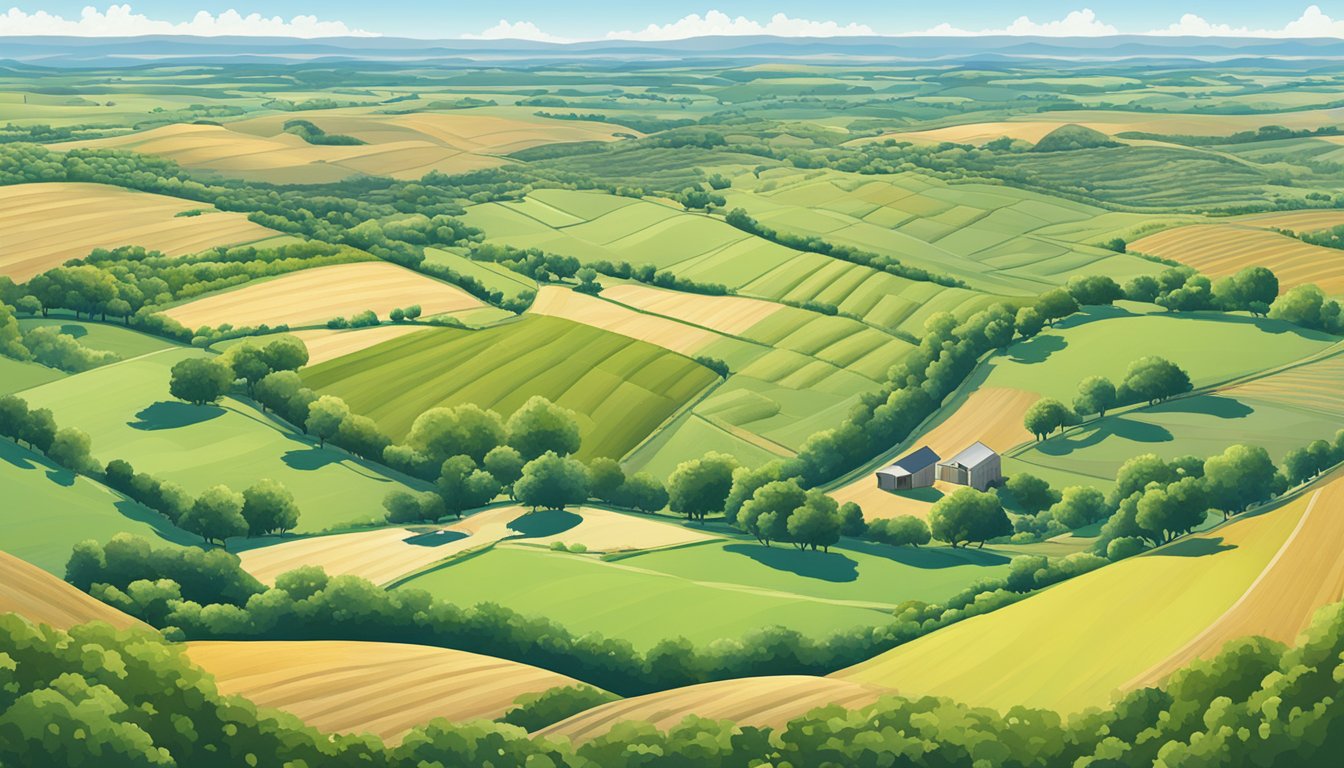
x: 1083, y: 23
x: 719, y: 23
x: 1312, y: 23
x: 122, y: 21
x: 520, y: 30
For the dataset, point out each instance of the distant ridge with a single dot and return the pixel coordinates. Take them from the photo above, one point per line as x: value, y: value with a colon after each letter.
x: 59, y: 51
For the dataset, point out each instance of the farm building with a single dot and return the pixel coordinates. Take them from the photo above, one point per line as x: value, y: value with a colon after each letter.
x: 978, y: 466
x: 914, y: 470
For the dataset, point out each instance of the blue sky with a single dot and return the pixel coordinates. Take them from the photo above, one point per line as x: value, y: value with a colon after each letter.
x: 594, y: 19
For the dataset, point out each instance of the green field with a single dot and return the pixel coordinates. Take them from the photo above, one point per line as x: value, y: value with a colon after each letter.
x: 124, y: 342
x: 16, y: 375
x: 126, y: 409
x: 47, y: 510
x: 492, y: 276
x: 620, y: 389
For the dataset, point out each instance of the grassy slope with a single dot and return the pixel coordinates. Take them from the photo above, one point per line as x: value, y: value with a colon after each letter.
x: 126, y: 409
x: 621, y: 389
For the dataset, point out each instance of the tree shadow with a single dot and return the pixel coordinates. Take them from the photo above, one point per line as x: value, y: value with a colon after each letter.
x: 309, y: 459
x: 165, y: 530
x: 61, y: 476
x: 1038, y: 349
x: 1264, y: 324
x: 1210, y: 405
x: 15, y: 455
x: 826, y: 566
x: 1195, y: 548
x: 1119, y: 426
x: 928, y: 558
x: 76, y: 331
x: 167, y: 414
x: 547, y: 522
x: 435, y: 538
x: 929, y: 494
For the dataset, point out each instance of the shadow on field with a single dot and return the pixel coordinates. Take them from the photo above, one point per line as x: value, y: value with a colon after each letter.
x: 15, y: 455
x: 929, y: 494
x: 76, y: 331
x: 173, y: 415
x: 62, y: 477
x: 308, y: 459
x: 827, y: 566
x: 165, y: 530
x: 1125, y: 429
x: 1195, y: 548
x: 1038, y: 349
x: 547, y: 522
x: 435, y: 538
x: 928, y: 558
x: 1211, y: 405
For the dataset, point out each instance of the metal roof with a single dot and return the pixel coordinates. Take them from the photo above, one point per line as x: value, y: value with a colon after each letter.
x: 911, y: 463
x: 973, y: 456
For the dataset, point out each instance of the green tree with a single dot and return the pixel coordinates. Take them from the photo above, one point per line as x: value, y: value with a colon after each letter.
x: 407, y: 507
x: 247, y: 363
x: 766, y: 514
x: 269, y: 507
x: 286, y: 353
x: 1029, y: 322
x: 1307, y: 306
x: 1153, y: 379
x: 643, y: 492
x: 1031, y: 494
x: 900, y: 531
x: 505, y: 464
x: 325, y: 415
x: 216, y: 516
x: 73, y: 449
x: 1078, y: 506
x: 463, y: 486
x: 1167, y: 512
x: 605, y: 479
x: 1251, y: 287
x: 1242, y: 475
x: 816, y: 523
x: 541, y: 426
x: 968, y: 516
x: 1056, y: 304
x: 200, y: 380
x: 1045, y: 416
x: 551, y: 481
x: 699, y: 487
x: 463, y: 430
x: 852, y: 523
x: 38, y: 429
x: 1096, y: 394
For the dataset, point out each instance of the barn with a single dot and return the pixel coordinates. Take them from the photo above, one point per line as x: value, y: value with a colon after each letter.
x: 978, y: 466
x: 914, y: 470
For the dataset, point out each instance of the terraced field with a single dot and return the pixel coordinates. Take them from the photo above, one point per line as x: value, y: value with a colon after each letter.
x: 380, y: 688
x: 401, y: 146
x: 1218, y: 250
x: 621, y: 389
x: 48, y: 224
x: 1137, y: 614
x: 314, y: 296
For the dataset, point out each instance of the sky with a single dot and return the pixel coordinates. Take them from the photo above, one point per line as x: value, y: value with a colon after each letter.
x: 570, y: 20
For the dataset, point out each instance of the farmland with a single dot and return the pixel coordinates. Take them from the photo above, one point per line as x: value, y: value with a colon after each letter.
x: 604, y: 375
x: 42, y: 598
x: 1219, y: 250
x: 46, y: 224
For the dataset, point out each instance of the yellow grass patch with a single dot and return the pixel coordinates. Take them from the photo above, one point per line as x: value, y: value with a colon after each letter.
x: 1134, y: 614
x: 384, y: 555
x: 1306, y: 574
x: 313, y: 296
x: 992, y: 415
x: 1218, y: 250
x: 46, y: 225
x: 324, y: 344
x: 380, y: 688
x: 42, y: 598
x: 754, y: 701
x: 732, y: 315
x: 590, y: 310
x: 606, y: 531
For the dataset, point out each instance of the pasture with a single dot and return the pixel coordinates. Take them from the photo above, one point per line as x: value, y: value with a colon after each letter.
x: 1136, y: 614
x: 1219, y: 250
x: 42, y: 598
x: 751, y: 701
x: 314, y: 296
x: 48, y: 224
x: 126, y: 410
x: 620, y: 389
x: 384, y: 689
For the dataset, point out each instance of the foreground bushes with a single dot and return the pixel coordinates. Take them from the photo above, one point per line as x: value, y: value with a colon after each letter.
x: 96, y: 696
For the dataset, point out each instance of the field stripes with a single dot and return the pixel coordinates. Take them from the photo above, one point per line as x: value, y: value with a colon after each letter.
x: 1224, y: 249
x: 43, y: 598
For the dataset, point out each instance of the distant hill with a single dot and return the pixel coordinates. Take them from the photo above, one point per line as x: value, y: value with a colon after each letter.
x: 1067, y: 137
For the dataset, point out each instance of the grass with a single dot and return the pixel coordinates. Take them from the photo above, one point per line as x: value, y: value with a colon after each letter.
x: 126, y: 410
x: 492, y: 276
x: 18, y: 375
x: 48, y: 510
x: 620, y: 389
x: 107, y: 337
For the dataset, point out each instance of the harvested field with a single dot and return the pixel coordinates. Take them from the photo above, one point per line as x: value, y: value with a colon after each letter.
x: 1136, y: 613
x: 324, y: 344
x: 384, y: 555
x: 732, y: 315
x: 43, y: 598
x: 380, y: 688
x: 314, y: 296
x: 46, y: 225
x: 1223, y: 249
x: 1305, y: 574
x: 753, y: 701
x: 605, y: 531
x: 992, y: 415
x: 1297, y: 221
x: 555, y: 301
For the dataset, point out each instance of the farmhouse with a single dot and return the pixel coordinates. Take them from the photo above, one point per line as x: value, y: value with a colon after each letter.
x: 978, y: 466
x: 914, y: 470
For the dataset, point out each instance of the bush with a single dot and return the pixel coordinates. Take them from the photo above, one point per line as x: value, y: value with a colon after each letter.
x: 534, y: 711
